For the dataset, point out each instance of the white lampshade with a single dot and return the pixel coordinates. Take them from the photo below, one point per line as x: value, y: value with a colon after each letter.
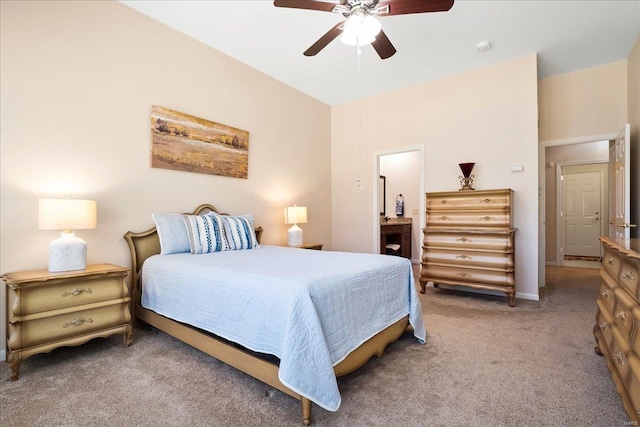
x: 67, y: 252
x: 295, y: 215
x: 66, y: 214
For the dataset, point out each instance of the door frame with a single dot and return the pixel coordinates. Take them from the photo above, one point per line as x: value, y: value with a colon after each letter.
x: 542, y: 208
x: 375, y: 179
x: 560, y: 201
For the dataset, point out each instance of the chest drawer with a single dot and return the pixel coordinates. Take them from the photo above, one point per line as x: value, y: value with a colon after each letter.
x: 469, y: 219
x: 604, y: 320
x: 619, y: 350
x: 496, y: 199
x: 50, y: 329
x: 632, y: 383
x: 611, y: 262
x: 466, y: 257
x: 65, y: 293
x: 607, y: 286
x: 628, y: 277
x: 622, y: 312
x: 467, y: 240
x: 459, y: 275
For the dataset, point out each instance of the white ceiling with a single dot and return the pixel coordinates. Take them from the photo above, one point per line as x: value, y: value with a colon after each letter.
x: 567, y: 36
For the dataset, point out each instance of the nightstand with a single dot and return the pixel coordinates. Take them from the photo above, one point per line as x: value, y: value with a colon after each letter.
x: 49, y: 310
x: 314, y: 246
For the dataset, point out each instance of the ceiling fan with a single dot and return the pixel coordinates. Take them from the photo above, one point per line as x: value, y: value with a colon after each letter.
x: 361, y: 26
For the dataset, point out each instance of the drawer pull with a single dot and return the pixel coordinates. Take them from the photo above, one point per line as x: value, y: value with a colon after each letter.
x: 444, y: 218
x: 627, y: 275
x: 486, y: 201
x: 463, y: 239
x: 611, y: 261
x: 463, y: 274
x: 622, y: 316
x: 463, y: 257
x: 485, y: 218
x: 77, y: 321
x: 76, y: 291
x: 603, y: 326
x: 606, y: 294
x: 444, y: 202
x: 619, y: 357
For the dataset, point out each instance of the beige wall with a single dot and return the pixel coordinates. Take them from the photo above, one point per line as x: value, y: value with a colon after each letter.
x: 633, y: 105
x: 78, y: 80
x: 488, y: 116
x: 583, y: 103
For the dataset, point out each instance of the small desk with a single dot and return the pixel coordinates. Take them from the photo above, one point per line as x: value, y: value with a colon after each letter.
x: 398, y: 231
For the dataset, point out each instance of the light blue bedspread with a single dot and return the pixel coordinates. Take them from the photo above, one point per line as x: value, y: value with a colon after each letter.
x: 308, y: 308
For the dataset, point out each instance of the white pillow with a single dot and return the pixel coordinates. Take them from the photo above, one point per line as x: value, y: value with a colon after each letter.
x: 206, y: 233
x: 172, y: 233
x: 239, y: 232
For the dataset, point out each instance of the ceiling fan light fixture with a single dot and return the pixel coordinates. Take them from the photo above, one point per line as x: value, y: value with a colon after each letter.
x: 360, y: 30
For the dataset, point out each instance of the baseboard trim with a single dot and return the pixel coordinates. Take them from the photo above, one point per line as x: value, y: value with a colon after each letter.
x: 551, y: 263
x: 3, y: 355
x: 524, y: 295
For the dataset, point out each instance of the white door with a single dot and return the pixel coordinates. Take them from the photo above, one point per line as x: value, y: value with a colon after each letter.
x: 582, y: 213
x: 619, y: 197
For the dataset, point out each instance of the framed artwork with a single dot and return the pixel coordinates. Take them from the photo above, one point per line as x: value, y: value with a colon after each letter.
x: 187, y: 143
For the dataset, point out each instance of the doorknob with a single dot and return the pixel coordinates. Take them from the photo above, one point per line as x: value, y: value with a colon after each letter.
x: 627, y: 225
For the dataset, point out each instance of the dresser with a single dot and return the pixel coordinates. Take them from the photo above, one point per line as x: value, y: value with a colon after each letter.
x: 617, y: 328
x: 396, y: 231
x: 49, y: 310
x: 469, y: 241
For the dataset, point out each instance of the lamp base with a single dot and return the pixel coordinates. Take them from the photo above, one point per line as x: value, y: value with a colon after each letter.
x: 67, y: 253
x: 294, y: 236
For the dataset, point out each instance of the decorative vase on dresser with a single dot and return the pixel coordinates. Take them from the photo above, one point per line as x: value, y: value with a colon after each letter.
x: 617, y: 328
x: 469, y: 241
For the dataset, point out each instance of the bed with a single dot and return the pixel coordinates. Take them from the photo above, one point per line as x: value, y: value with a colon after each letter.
x: 321, y: 314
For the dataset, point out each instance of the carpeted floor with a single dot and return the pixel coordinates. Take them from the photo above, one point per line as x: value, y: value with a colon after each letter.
x: 484, y: 364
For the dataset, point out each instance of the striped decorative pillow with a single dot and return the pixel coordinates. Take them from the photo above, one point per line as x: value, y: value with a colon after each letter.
x: 239, y: 232
x: 206, y: 233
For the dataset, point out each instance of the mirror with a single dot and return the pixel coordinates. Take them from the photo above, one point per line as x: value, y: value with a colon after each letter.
x: 382, y: 196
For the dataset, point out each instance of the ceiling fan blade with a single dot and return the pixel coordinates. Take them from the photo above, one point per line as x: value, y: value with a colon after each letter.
x: 325, y: 40
x: 306, y: 4
x: 383, y: 46
x: 404, y: 7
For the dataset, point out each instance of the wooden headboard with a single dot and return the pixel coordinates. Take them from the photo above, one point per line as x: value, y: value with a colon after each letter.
x: 144, y: 244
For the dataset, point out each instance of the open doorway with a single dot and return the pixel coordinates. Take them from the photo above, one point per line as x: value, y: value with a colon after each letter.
x: 574, y: 173
x: 583, y: 216
x: 399, y: 233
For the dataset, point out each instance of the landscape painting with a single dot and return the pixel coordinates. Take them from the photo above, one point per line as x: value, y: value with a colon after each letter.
x: 187, y: 143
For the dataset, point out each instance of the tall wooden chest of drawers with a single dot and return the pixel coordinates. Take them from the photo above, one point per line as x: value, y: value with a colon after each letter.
x: 48, y: 310
x: 617, y: 328
x: 469, y: 240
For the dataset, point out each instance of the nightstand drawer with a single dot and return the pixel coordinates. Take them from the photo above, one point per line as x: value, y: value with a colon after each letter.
x: 54, y: 328
x: 65, y: 293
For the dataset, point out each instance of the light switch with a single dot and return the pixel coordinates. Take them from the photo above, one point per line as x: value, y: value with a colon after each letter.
x: 516, y: 168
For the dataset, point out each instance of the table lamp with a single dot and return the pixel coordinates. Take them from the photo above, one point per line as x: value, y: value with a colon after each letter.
x: 295, y: 215
x: 67, y: 252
